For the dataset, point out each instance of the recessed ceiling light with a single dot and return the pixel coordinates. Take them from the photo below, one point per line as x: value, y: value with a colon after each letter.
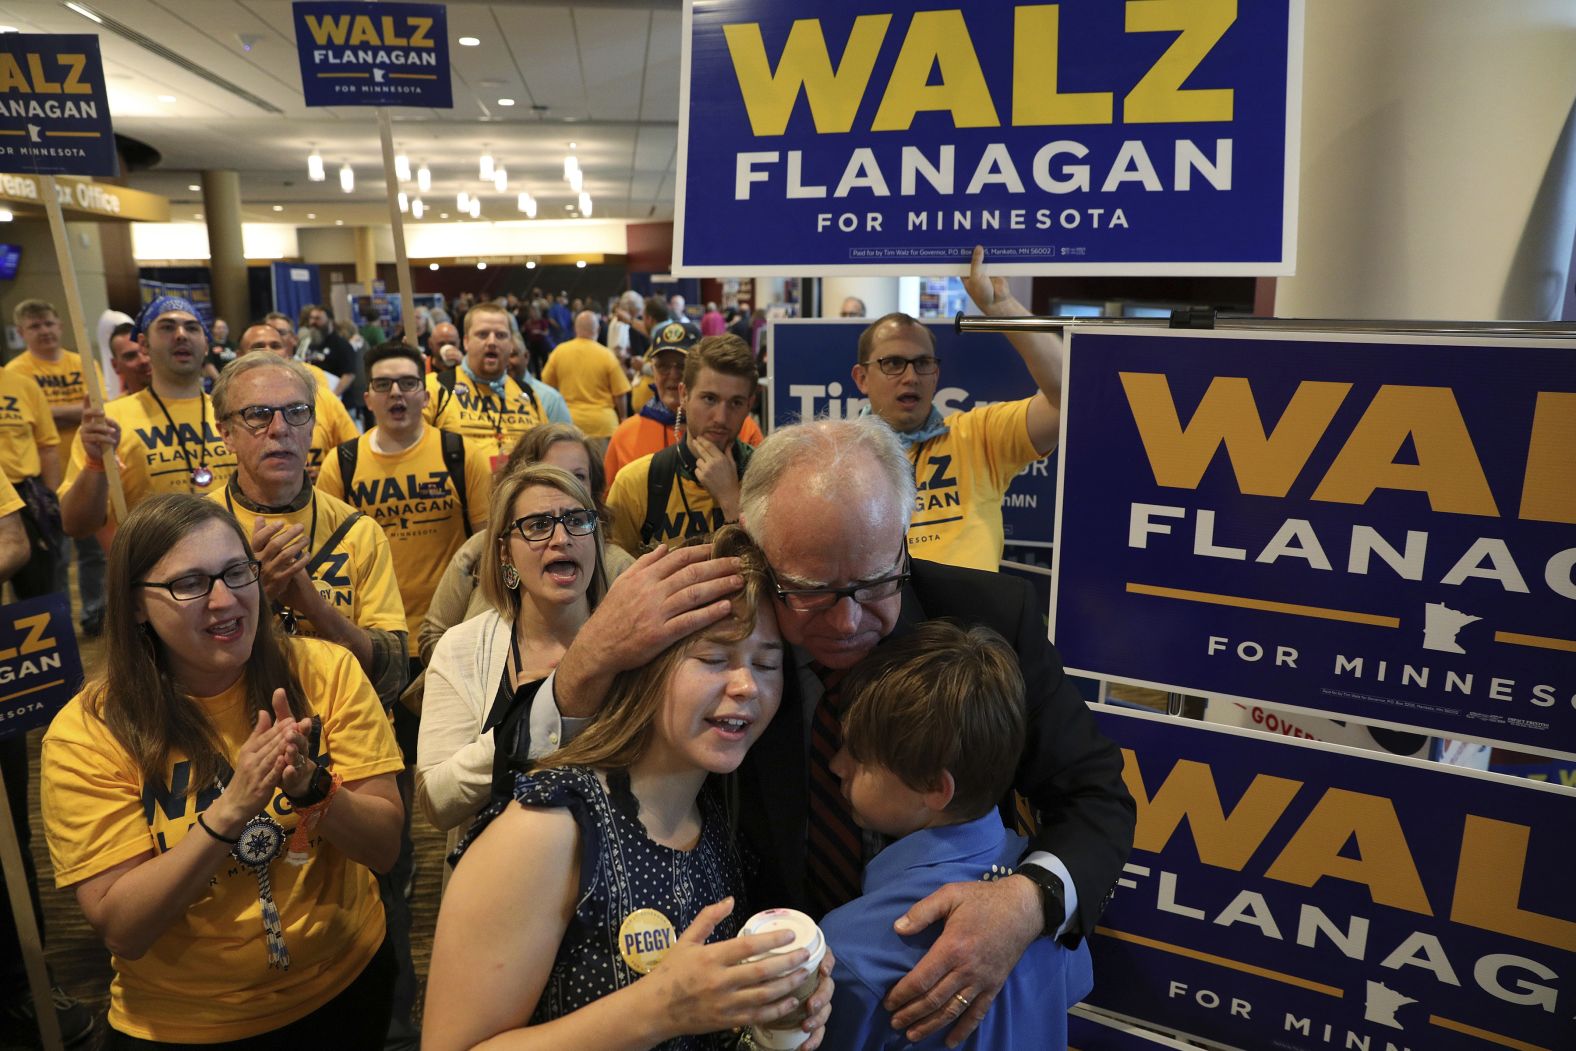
x: 194, y: 188
x: 339, y: 222
x: 469, y: 41
x: 432, y: 266
x: 506, y: 102
x: 166, y: 98
x: 279, y: 207
x: 196, y: 215
x: 580, y: 264
x: 443, y: 215
x: 311, y: 215
x: 530, y: 264
x: 482, y: 265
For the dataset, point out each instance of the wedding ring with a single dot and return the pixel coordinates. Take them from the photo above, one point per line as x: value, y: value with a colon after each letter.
x: 960, y: 998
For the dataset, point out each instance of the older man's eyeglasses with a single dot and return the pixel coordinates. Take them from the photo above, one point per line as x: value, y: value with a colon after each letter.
x: 256, y: 418
x: 406, y: 384
x: 536, y: 528
x: 814, y: 600
x: 237, y: 575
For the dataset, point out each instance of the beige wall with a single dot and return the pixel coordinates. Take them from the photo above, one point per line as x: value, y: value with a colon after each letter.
x: 1428, y: 126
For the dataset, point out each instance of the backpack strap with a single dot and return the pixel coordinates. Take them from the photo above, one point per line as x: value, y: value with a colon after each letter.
x: 349, y: 453
x: 454, y: 461
x: 659, y: 488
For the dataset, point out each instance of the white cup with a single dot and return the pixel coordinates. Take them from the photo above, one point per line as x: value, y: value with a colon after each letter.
x: 784, y: 1034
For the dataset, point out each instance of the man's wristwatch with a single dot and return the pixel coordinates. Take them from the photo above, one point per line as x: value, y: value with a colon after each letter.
x: 1053, y: 896
x: 322, y: 781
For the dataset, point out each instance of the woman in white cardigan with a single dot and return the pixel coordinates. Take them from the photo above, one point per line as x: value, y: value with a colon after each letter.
x: 542, y: 572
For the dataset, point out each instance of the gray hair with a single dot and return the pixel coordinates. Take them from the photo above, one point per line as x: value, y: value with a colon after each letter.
x: 633, y: 302
x: 251, y: 363
x: 819, y: 452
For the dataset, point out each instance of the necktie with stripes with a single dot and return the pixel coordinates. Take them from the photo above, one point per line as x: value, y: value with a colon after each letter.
x: 836, y: 845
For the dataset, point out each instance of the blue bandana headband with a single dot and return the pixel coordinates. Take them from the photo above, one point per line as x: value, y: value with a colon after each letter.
x: 164, y: 305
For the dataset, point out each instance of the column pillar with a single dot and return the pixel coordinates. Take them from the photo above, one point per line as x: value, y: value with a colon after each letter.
x: 366, y: 257
x: 221, y: 209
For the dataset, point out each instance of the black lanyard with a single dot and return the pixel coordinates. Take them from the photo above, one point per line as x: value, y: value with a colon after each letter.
x: 202, y: 444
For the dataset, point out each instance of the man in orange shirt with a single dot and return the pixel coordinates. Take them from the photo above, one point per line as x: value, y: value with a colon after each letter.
x: 654, y: 427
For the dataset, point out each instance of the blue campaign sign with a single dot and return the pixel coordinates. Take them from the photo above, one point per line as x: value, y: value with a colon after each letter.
x: 1322, y: 897
x: 40, y: 669
x: 54, y: 114
x: 811, y: 362
x: 1086, y: 136
x: 1374, y: 528
x: 373, y: 54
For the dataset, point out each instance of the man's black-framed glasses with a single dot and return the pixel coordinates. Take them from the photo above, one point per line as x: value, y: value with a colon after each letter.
x: 257, y: 418
x: 536, y: 528
x: 237, y: 575
x: 895, y: 364
x: 406, y: 384
x: 814, y: 600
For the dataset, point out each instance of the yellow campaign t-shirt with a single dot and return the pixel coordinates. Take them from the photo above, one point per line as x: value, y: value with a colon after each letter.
x: 473, y: 410
x: 206, y: 979
x: 961, y: 477
x: 10, y: 502
x: 61, y: 381
x: 25, y: 425
x: 589, y: 377
x: 411, y: 496
x: 691, y: 511
x: 150, y: 449
x: 331, y: 427
x: 357, y: 578
x: 321, y: 377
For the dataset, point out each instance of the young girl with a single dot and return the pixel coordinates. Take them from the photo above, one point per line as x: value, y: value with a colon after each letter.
x: 564, y: 901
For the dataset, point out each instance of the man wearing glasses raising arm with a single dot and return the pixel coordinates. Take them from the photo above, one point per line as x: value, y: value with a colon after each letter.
x: 829, y: 504
x: 962, y: 463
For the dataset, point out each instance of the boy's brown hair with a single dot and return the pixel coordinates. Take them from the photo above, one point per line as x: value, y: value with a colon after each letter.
x: 942, y: 697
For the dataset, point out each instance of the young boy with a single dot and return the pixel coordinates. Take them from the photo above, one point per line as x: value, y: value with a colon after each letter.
x: 931, y: 738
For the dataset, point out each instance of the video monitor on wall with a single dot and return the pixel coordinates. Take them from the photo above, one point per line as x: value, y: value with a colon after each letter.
x: 10, y: 259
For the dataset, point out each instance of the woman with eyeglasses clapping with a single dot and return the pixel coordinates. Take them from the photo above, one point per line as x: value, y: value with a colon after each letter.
x: 217, y: 797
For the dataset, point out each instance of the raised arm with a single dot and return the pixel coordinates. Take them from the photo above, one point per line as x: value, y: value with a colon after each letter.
x: 1041, y: 351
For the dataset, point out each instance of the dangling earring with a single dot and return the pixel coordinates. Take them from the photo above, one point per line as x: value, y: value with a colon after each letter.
x: 511, y: 576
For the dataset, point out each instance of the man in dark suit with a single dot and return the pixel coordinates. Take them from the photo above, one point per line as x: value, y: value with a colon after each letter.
x: 835, y: 544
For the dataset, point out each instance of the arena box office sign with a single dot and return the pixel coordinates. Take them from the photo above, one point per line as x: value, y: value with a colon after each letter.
x: 1086, y: 136
x: 812, y: 361
x: 1369, y: 527
x: 373, y: 54
x: 1303, y: 896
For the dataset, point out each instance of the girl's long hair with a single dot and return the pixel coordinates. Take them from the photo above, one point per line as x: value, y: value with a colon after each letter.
x: 621, y: 731
x: 148, y: 712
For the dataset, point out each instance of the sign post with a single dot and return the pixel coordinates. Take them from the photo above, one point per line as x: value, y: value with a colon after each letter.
x: 54, y: 120
x: 42, y: 670
x: 377, y: 54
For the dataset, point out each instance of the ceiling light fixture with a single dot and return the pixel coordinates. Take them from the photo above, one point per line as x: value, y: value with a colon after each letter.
x: 585, y: 204
x: 314, y: 167
x: 481, y: 264
x: 402, y: 167
x: 194, y: 188
x: 423, y: 179
x: 311, y: 215
x: 576, y: 180
x: 404, y: 202
x: 580, y: 264
x: 347, y: 177
x: 476, y: 207
x: 527, y: 205
x: 469, y: 41
x: 279, y: 207
x: 506, y: 102
x: 432, y: 266
x: 462, y: 201
x: 85, y: 13
x: 166, y: 98
x: 530, y: 264
x: 417, y: 208
x: 5, y: 213
x: 443, y: 215
x: 571, y: 165
x: 501, y: 180
x: 339, y: 222
x: 485, y: 168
